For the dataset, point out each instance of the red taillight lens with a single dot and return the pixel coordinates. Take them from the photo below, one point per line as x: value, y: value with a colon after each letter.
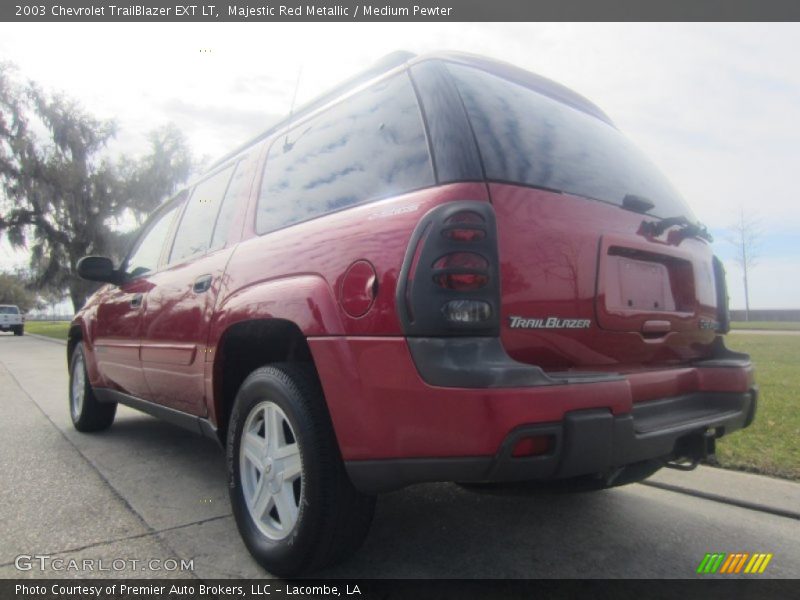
x: 464, y: 235
x: 462, y: 271
x: 462, y: 260
x: 533, y: 446
x: 461, y: 282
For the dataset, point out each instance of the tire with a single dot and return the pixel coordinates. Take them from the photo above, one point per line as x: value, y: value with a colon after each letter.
x: 88, y: 414
x: 19, y: 330
x: 318, y: 520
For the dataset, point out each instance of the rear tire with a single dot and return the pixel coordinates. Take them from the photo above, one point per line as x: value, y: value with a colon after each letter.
x: 294, y: 505
x: 88, y: 414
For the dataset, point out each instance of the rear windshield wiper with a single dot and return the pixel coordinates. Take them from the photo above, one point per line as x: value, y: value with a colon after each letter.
x: 643, y: 205
x: 688, y: 229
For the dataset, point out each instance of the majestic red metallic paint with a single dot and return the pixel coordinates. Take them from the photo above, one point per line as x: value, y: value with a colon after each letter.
x: 381, y: 408
x: 325, y: 248
x: 175, y: 331
x: 555, y: 262
x: 556, y: 254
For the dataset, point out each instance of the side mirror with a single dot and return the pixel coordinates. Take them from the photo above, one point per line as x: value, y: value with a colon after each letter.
x: 97, y: 268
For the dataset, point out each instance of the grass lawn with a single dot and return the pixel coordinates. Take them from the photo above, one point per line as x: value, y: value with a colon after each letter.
x: 781, y: 325
x: 53, y: 329
x: 771, y: 445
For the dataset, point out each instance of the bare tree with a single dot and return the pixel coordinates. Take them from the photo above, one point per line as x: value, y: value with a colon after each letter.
x: 745, y: 235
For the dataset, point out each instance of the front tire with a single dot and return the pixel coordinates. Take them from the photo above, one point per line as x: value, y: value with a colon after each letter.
x: 294, y: 505
x: 88, y: 414
x: 19, y: 330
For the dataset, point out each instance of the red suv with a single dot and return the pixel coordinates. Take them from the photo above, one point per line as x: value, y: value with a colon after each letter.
x: 445, y: 269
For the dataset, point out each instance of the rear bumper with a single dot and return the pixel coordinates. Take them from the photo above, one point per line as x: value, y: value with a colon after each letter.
x: 395, y: 427
x: 586, y: 442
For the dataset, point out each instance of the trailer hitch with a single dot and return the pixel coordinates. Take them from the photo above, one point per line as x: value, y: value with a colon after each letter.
x: 691, y: 450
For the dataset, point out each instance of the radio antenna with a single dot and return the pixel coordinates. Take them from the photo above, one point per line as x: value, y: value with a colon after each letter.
x: 286, y: 144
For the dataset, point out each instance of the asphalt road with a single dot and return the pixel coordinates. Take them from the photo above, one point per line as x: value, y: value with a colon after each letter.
x: 147, y: 490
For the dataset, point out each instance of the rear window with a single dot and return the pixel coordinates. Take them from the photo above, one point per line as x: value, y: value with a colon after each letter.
x: 530, y: 139
x: 370, y: 146
x: 9, y: 310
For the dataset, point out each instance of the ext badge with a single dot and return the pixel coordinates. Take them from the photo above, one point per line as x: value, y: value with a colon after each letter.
x: 516, y: 322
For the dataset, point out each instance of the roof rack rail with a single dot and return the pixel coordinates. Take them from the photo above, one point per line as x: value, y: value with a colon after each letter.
x: 386, y: 63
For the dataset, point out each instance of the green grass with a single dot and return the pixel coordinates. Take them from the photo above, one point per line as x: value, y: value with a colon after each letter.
x: 53, y: 329
x: 771, y: 445
x: 780, y: 325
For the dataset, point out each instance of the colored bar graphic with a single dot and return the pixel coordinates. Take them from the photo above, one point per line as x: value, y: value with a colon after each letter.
x: 728, y: 564
x: 765, y: 563
x: 754, y: 564
x: 711, y: 562
x: 701, y: 568
x: 741, y: 562
x: 720, y: 562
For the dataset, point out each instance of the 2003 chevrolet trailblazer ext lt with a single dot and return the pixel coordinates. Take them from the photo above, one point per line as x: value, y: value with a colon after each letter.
x: 445, y: 269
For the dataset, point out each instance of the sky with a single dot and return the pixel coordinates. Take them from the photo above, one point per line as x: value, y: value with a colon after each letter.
x: 715, y: 106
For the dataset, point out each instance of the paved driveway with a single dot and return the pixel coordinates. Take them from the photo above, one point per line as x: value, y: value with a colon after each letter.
x: 148, y: 490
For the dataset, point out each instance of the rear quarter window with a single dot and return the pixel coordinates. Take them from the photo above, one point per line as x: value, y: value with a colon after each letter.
x: 371, y: 145
x: 528, y: 138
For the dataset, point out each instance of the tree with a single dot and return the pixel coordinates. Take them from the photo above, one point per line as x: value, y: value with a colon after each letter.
x: 61, y: 195
x: 746, y: 238
x: 13, y: 290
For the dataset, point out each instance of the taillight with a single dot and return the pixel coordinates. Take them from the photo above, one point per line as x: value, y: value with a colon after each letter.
x: 467, y: 311
x: 465, y: 226
x: 464, y: 235
x: 461, y: 282
x: 462, y: 260
x: 533, y: 446
x: 461, y: 271
x: 449, y: 284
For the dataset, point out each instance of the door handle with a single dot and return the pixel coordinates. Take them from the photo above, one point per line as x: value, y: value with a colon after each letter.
x: 136, y: 301
x: 201, y: 284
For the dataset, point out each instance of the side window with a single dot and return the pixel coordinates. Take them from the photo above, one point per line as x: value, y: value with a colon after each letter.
x: 370, y: 146
x: 148, y: 249
x: 194, y: 231
x: 236, y: 189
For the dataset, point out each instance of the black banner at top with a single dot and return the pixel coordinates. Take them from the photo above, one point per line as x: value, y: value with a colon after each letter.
x: 397, y: 10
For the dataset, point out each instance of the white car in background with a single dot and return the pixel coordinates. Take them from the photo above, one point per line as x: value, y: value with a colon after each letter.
x: 11, y: 319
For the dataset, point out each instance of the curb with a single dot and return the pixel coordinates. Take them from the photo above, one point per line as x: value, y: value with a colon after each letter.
x: 47, y: 339
x: 757, y: 506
